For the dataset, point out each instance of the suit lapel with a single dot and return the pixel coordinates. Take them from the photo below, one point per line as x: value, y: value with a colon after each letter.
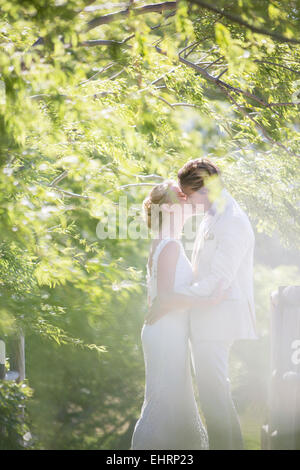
x: 198, y: 240
x: 205, y: 227
x: 211, y: 222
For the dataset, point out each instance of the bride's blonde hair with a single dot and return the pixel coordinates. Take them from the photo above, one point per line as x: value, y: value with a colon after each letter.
x: 159, y: 194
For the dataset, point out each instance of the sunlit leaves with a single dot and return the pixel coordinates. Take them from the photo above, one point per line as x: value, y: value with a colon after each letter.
x: 184, y: 25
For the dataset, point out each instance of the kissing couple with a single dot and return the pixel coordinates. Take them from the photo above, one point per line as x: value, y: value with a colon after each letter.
x: 197, y: 309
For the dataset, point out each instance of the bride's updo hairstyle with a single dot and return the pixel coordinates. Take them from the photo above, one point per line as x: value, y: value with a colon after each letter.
x: 159, y: 194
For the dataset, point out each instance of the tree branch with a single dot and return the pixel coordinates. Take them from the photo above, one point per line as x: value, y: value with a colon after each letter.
x: 258, y: 125
x: 226, y: 88
x: 222, y: 73
x: 63, y: 191
x: 59, y: 178
x: 213, y: 79
x: 153, y: 7
x: 153, y: 175
x: 188, y: 105
x: 277, y: 65
x: 218, y: 82
x: 70, y: 194
x: 98, y: 73
x: 172, y: 105
x: 270, y: 105
x: 239, y: 20
x: 105, y: 42
x: 132, y: 185
x: 162, y: 25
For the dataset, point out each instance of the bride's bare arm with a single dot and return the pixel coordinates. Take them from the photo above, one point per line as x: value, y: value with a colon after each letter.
x: 165, y: 304
x: 166, y: 269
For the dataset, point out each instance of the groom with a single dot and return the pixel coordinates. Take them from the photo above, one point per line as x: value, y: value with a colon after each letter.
x: 222, y: 253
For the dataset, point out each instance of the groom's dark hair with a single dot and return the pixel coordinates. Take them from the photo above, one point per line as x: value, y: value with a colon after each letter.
x: 194, y: 173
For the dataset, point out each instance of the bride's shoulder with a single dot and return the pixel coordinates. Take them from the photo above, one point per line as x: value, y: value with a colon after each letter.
x: 168, y: 249
x: 159, y: 245
x: 164, y: 258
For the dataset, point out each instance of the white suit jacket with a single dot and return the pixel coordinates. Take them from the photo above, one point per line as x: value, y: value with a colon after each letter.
x: 223, y: 250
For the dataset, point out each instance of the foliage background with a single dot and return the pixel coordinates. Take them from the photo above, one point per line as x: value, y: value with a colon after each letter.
x: 80, y: 120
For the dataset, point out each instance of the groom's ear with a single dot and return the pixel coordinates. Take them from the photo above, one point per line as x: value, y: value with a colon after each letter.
x: 182, y: 195
x: 204, y: 190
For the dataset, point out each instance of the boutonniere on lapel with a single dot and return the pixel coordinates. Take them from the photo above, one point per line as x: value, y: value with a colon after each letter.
x: 209, y: 235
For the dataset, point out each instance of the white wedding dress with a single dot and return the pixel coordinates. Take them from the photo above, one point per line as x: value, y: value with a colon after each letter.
x: 169, y: 417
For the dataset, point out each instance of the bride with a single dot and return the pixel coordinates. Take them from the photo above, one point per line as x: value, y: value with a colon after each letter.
x: 169, y: 417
